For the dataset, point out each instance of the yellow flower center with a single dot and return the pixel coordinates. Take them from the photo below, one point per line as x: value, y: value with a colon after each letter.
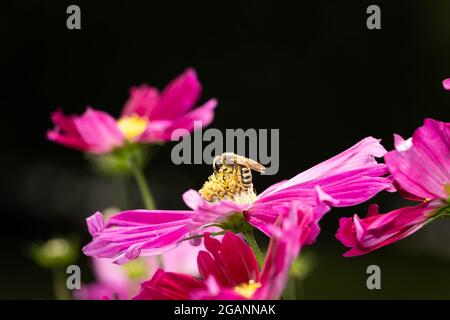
x: 247, y: 289
x: 227, y: 184
x: 132, y: 126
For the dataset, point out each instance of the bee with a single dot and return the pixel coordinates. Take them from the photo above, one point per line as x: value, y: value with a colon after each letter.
x: 246, y: 166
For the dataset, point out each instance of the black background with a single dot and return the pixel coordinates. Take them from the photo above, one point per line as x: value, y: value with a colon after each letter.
x: 311, y: 69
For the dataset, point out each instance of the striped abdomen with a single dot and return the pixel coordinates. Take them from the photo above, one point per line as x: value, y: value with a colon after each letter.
x: 246, y: 178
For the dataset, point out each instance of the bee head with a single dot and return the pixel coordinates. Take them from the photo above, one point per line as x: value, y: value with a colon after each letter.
x: 217, y: 163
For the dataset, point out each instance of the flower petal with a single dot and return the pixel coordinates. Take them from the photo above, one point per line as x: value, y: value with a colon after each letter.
x: 99, y: 130
x: 208, y: 212
x: 169, y: 286
x: 178, y: 97
x: 130, y: 234
x: 349, y: 178
x: 340, y: 190
x: 361, y: 155
x: 422, y: 167
x: 446, y: 84
x: 288, y: 235
x: 142, y: 100
x: 162, y: 130
x: 99, y: 291
x: 95, y: 224
x: 378, y: 230
x: 65, y: 132
x: 231, y: 261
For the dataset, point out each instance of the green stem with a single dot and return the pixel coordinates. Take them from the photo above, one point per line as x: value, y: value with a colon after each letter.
x: 146, y: 195
x: 249, y: 236
x: 59, y: 284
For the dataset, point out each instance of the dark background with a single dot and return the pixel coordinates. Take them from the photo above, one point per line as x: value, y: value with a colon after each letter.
x: 310, y: 68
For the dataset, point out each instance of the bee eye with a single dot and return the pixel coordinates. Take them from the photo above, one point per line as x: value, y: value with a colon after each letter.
x: 217, y: 164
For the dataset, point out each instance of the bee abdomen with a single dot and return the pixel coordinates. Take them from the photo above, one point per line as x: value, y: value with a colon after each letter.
x: 246, y: 177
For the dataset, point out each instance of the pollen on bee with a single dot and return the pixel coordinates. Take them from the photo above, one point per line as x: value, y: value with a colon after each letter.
x: 227, y: 184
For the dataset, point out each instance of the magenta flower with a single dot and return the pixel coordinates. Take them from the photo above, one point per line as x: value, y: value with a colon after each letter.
x: 229, y: 269
x: 421, y: 169
x: 148, y: 116
x: 446, y: 84
x: 347, y: 179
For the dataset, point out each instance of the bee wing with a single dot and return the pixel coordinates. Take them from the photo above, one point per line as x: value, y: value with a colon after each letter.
x: 252, y: 164
x: 232, y: 158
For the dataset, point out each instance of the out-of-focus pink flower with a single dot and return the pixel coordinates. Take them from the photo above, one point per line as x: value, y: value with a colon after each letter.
x: 112, y: 282
x: 446, y: 84
x: 421, y: 169
x: 148, y: 116
x: 122, y: 281
x: 229, y: 269
x: 347, y: 179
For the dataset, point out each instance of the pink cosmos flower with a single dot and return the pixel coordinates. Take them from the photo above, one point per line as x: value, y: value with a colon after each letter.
x: 347, y: 179
x: 446, y: 84
x: 229, y: 269
x: 421, y: 169
x: 148, y: 116
x: 122, y: 281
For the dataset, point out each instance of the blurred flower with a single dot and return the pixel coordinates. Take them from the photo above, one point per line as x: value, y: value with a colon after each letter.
x: 55, y: 253
x: 446, y: 84
x: 347, y: 179
x: 148, y: 117
x: 304, y: 265
x: 229, y: 268
x: 421, y: 169
x: 112, y: 282
x: 122, y: 281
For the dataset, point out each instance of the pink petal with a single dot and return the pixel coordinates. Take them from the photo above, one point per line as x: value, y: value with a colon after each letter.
x: 231, y: 261
x: 446, y: 84
x: 183, y: 258
x: 99, y: 130
x: 130, y: 234
x: 65, y: 132
x: 214, y: 291
x: 162, y: 130
x: 207, y: 212
x: 142, y: 100
x: 95, y: 224
x: 378, y: 230
x: 99, y: 291
x: 178, y: 97
x: 288, y: 235
x: 340, y: 190
x: 347, y: 179
x: 169, y: 286
x: 359, y: 156
x: 422, y: 167
x: 94, y: 131
x: 111, y: 276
